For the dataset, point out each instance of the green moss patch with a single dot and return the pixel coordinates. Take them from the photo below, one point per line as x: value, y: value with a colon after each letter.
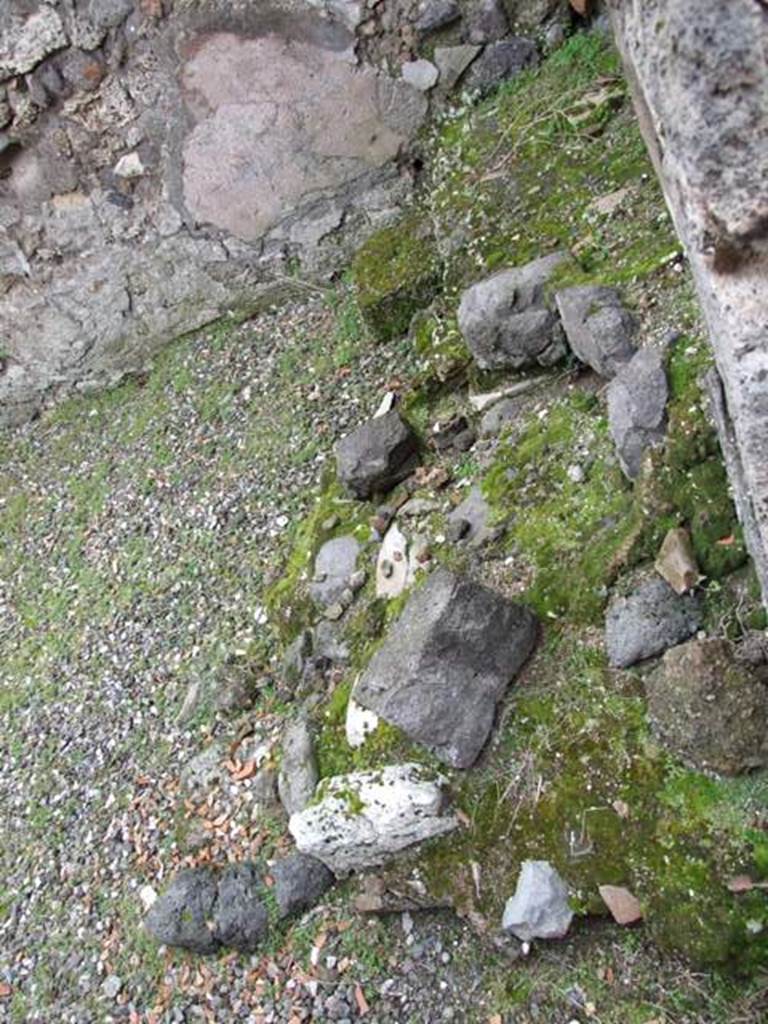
x: 396, y: 273
x: 577, y: 780
x: 568, y: 533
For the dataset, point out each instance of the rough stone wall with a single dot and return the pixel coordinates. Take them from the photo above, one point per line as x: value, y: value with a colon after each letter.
x: 699, y: 70
x: 163, y: 164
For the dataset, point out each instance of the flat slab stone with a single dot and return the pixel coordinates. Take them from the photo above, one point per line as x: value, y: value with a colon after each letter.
x: 446, y: 663
x: 709, y: 708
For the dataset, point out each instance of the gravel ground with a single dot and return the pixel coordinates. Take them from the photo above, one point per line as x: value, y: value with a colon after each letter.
x: 139, y: 527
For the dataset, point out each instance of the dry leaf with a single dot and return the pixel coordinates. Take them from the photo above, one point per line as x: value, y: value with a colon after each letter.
x: 362, y: 1002
x: 621, y: 808
x: 580, y: 6
x: 725, y: 542
x: 495, y: 1018
x: 245, y: 772
x: 5, y: 990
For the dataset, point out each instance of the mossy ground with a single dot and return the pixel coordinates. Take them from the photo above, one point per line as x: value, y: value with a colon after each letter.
x: 572, y: 774
x: 517, y: 176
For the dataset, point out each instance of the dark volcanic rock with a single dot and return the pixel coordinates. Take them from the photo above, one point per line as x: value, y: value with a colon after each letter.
x: 446, y: 664
x: 598, y: 327
x: 648, y: 621
x: 377, y: 455
x: 180, y: 916
x: 637, y: 408
x: 500, y: 61
x: 202, y: 910
x: 240, y: 919
x: 505, y: 320
x: 300, y: 881
x: 708, y: 708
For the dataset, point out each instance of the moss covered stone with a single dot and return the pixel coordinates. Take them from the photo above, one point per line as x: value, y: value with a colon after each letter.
x: 396, y: 273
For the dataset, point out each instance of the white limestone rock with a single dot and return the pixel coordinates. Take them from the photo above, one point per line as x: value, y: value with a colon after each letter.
x: 362, y: 819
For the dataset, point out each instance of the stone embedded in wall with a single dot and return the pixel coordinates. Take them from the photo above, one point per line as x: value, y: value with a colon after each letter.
x: 699, y: 88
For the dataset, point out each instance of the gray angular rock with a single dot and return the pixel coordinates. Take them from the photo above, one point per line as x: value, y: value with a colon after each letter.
x: 637, y: 408
x: 500, y: 61
x: 240, y: 918
x: 298, y: 768
x: 452, y: 62
x: 598, y: 327
x: 486, y: 21
x: 24, y: 42
x: 377, y: 455
x: 328, y: 646
x: 539, y: 909
x: 647, y: 622
x: 296, y: 659
x: 505, y: 321
x: 182, y: 915
x: 709, y: 708
x: 446, y: 663
x: 362, y: 819
x: 334, y: 565
x: 300, y: 881
x: 474, y: 511
x: 204, y: 771
x: 436, y: 14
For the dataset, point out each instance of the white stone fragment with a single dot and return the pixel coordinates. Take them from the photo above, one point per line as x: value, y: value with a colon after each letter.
x: 360, y: 723
x: 129, y: 166
x: 484, y: 401
x: 392, y: 570
x: 363, y: 818
x: 539, y: 909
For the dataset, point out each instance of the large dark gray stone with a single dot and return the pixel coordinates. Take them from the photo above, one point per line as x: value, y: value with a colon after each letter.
x: 637, y: 408
x: 446, y: 664
x: 505, y: 320
x: 648, y: 621
x: 500, y: 61
x: 709, y: 708
x: 202, y: 910
x: 486, y: 21
x: 300, y: 881
x: 181, y: 916
x: 598, y: 327
x: 240, y: 919
x: 377, y: 455
x: 436, y: 14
